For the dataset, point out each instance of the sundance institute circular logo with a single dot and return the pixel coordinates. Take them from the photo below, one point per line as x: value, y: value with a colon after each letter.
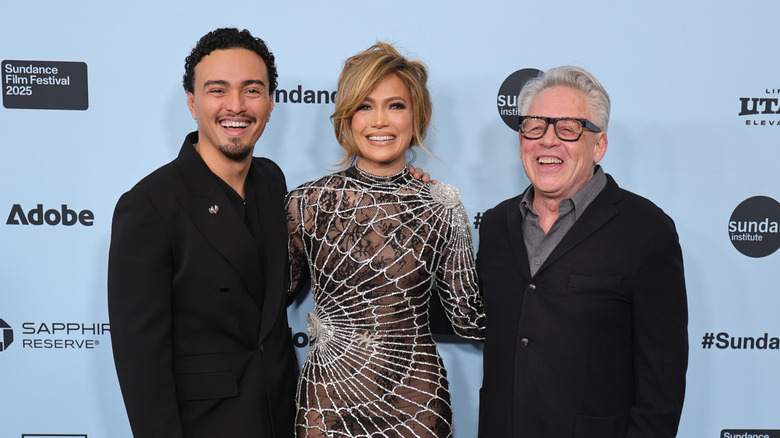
x: 507, y: 96
x: 754, y: 227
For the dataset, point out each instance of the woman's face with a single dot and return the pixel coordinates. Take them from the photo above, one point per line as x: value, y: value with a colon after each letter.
x: 383, y: 127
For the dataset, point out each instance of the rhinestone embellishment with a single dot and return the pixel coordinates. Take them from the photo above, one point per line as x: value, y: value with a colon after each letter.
x: 445, y: 194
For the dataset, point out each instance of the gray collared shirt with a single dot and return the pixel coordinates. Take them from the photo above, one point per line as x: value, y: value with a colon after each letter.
x: 539, y: 245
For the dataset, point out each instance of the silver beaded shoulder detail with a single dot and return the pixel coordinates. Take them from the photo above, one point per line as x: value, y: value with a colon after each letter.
x: 446, y: 194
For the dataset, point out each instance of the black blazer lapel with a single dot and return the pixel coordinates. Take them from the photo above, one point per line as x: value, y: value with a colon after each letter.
x: 225, y: 230
x: 514, y: 223
x: 598, y: 213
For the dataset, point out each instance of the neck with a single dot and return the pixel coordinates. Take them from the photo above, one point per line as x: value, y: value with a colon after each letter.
x: 233, y: 172
x: 379, y: 170
x: 547, y: 209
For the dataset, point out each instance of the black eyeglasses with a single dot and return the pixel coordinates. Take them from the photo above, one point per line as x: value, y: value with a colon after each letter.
x: 566, y: 128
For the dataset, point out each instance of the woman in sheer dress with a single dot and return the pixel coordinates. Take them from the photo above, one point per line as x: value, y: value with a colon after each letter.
x: 373, y: 241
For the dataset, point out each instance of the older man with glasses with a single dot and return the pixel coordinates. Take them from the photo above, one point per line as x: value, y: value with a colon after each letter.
x: 583, y: 285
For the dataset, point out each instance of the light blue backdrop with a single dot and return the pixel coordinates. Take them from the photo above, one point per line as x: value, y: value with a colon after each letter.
x: 675, y: 71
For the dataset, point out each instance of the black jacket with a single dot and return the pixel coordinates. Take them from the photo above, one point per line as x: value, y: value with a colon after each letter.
x: 595, y: 344
x: 194, y: 353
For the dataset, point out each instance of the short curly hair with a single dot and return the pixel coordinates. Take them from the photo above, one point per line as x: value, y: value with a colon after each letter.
x: 228, y: 38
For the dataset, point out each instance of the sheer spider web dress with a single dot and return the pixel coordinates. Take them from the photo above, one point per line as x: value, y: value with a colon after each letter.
x: 373, y: 247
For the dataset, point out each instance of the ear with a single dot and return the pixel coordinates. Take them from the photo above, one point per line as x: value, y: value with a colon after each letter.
x: 191, y: 105
x: 600, y: 148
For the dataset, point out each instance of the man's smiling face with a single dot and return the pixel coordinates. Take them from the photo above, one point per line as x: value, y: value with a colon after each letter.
x: 231, y: 101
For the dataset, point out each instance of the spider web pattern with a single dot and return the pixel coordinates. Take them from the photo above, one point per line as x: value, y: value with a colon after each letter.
x: 373, y: 248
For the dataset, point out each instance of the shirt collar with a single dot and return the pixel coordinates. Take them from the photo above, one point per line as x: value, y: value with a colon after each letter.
x: 581, y: 199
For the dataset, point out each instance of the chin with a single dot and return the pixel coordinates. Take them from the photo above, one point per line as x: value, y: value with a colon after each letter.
x: 236, y: 150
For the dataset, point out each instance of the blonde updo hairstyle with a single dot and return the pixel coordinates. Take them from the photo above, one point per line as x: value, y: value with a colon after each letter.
x: 361, y: 74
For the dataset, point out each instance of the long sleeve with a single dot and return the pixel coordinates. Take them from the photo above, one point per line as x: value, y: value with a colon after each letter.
x: 139, y: 304
x: 299, y: 268
x: 660, y: 326
x: 456, y: 277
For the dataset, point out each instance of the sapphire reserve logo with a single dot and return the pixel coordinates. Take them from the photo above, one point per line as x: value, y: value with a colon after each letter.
x: 6, y: 335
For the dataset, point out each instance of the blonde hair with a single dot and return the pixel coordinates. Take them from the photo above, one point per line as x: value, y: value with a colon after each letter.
x: 361, y: 74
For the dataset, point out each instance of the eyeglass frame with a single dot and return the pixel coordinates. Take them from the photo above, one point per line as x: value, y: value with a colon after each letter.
x: 584, y: 124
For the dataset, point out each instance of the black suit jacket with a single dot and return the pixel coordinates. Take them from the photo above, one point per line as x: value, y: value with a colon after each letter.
x: 595, y: 344
x: 195, y: 354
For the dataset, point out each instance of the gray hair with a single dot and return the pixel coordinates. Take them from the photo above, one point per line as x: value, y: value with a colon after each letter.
x: 572, y: 77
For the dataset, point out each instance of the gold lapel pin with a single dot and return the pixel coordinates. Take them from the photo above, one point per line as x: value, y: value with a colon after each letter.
x: 214, y: 209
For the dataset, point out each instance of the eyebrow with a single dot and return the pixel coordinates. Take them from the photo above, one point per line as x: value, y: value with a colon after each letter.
x: 369, y: 98
x: 243, y: 84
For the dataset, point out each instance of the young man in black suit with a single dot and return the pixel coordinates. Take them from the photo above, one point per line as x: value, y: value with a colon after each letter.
x: 197, y: 265
x: 583, y: 285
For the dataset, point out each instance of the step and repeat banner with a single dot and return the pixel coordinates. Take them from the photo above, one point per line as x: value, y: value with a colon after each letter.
x: 92, y: 102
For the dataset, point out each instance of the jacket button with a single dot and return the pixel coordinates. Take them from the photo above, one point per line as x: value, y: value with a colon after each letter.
x: 524, y: 342
x: 224, y: 288
x: 531, y: 288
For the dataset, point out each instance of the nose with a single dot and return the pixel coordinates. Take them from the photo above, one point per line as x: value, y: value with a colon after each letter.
x: 235, y: 103
x: 550, y: 138
x: 379, y: 119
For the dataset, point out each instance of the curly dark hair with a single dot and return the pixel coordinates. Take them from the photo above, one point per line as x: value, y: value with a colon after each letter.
x: 228, y: 38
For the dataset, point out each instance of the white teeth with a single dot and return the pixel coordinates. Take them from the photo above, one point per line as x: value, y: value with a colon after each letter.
x: 230, y: 124
x: 381, y: 137
x: 550, y: 160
